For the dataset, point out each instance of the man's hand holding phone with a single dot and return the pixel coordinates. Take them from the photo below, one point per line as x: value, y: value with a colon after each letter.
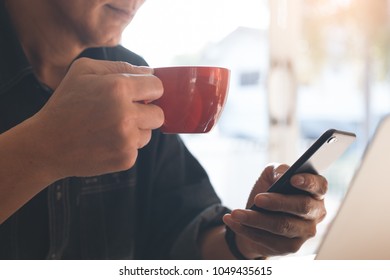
x: 280, y: 218
x: 285, y: 222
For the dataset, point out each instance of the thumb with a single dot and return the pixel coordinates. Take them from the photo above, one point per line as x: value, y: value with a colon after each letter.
x: 104, y: 67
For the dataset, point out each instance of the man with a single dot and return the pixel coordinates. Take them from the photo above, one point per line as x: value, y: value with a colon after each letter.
x: 85, y: 173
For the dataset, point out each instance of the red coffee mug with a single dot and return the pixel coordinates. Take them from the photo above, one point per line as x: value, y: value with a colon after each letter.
x: 193, y: 98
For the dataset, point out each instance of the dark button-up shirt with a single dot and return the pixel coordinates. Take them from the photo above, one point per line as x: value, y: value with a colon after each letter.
x: 155, y: 210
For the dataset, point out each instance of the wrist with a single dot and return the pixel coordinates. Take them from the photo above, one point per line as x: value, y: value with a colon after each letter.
x: 34, y: 153
x: 238, y: 250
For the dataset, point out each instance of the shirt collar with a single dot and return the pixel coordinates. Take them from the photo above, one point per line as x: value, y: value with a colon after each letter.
x: 13, y: 62
x: 95, y: 53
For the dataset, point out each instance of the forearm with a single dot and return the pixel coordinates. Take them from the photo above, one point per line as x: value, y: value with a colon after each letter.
x: 23, y: 168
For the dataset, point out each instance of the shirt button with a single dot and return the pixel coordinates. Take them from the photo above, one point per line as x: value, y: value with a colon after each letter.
x: 58, y: 195
x: 58, y: 192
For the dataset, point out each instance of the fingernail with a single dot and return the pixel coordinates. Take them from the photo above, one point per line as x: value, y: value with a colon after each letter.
x: 298, y: 180
x: 280, y: 170
x: 239, y: 215
x: 262, y: 200
x: 277, y: 175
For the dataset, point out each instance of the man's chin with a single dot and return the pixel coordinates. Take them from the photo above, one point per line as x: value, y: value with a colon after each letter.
x: 108, y: 43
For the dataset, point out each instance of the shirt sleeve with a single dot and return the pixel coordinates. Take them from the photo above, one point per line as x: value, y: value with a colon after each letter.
x: 187, y: 245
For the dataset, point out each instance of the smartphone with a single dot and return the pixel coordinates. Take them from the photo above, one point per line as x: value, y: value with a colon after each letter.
x: 317, y: 158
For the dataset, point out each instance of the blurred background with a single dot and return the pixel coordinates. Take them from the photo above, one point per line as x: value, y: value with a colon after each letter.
x: 298, y: 68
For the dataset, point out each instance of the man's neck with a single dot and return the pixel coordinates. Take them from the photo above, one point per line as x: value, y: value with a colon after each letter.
x: 49, y: 49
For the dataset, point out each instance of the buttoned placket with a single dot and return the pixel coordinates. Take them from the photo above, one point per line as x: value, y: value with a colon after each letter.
x: 59, y: 218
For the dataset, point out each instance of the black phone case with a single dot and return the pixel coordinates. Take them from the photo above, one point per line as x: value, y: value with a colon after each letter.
x: 319, y: 156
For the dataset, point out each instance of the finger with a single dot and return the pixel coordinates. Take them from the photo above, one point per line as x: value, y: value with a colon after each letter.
x: 277, y: 223
x: 145, y: 87
x: 104, y: 67
x: 316, y: 185
x: 150, y: 116
x: 268, y: 176
x: 303, y: 206
x: 135, y: 87
x: 269, y: 243
x: 279, y: 170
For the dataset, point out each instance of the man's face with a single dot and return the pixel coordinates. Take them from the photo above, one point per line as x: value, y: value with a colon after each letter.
x: 95, y: 22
